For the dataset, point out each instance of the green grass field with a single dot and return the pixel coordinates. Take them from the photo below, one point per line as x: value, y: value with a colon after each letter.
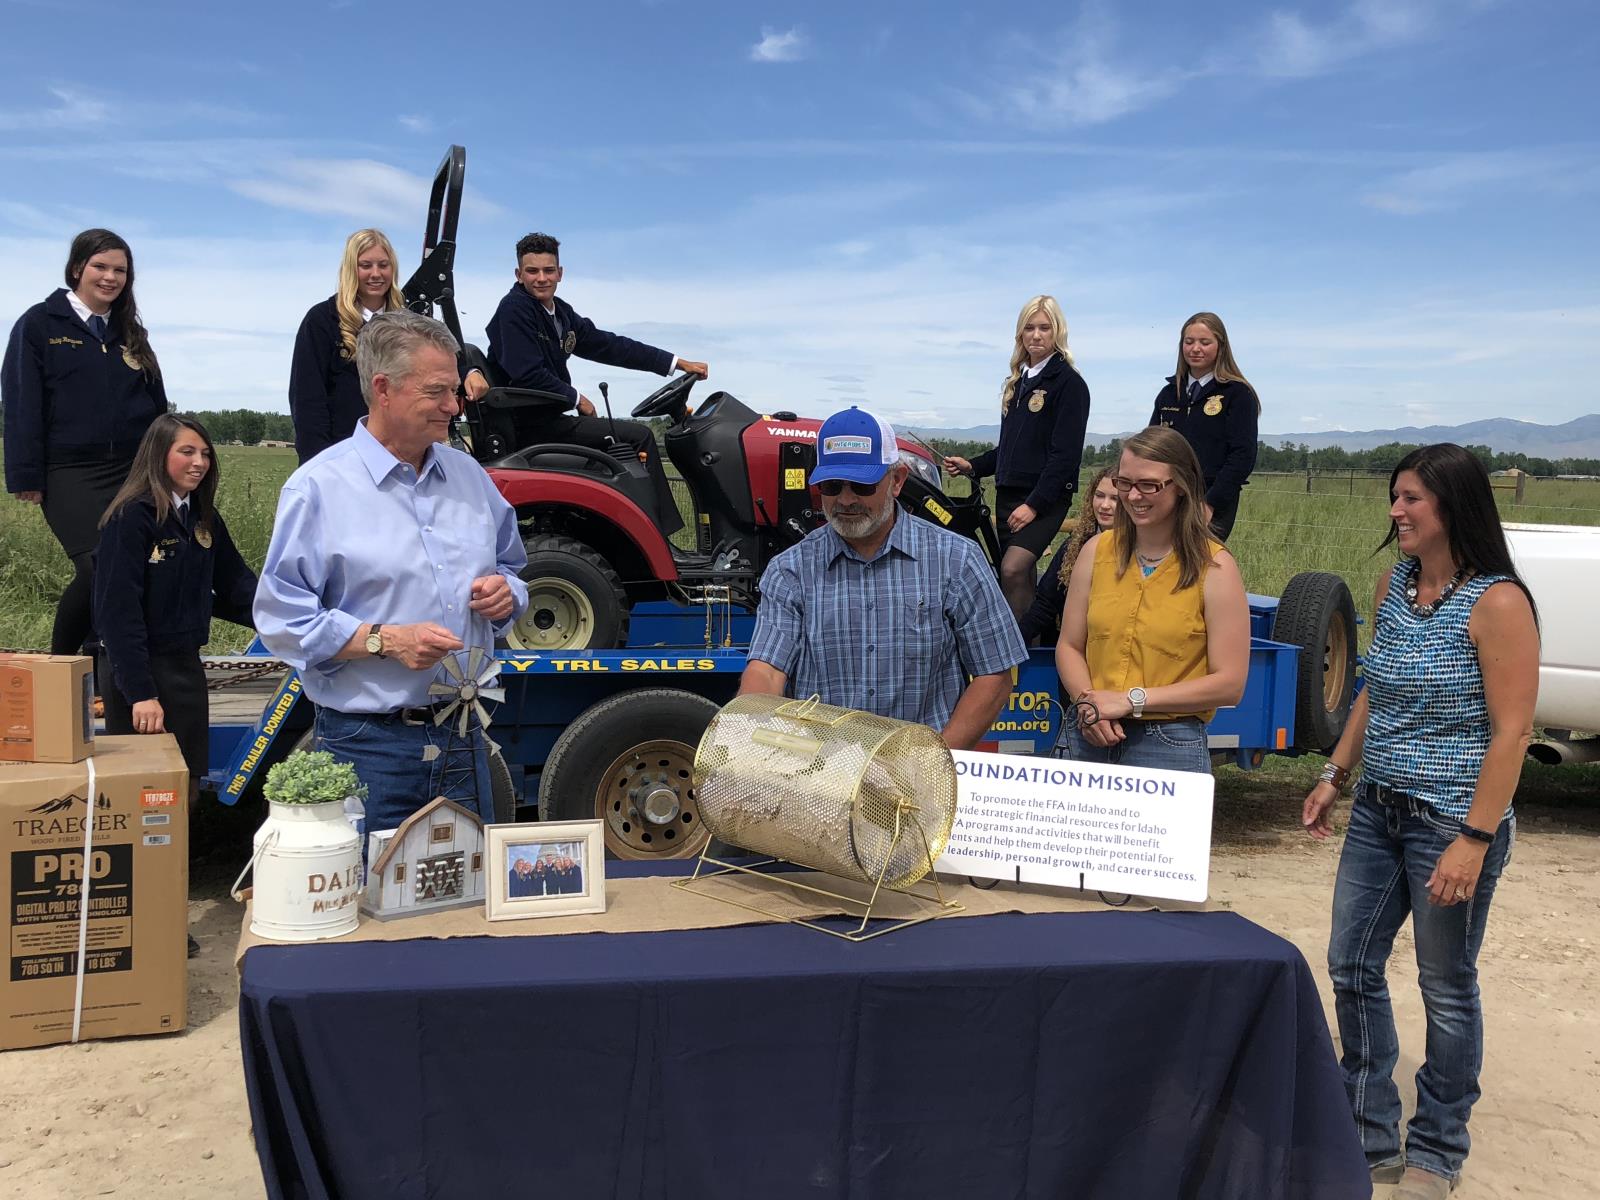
x: 1282, y: 530
x: 33, y: 570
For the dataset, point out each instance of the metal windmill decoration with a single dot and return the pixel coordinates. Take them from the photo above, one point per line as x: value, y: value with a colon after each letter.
x: 468, y: 688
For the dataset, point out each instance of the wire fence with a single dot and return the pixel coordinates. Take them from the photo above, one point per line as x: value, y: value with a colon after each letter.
x: 1538, y: 499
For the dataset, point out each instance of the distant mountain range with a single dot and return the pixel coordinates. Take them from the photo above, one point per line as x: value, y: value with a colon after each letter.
x: 1575, y: 439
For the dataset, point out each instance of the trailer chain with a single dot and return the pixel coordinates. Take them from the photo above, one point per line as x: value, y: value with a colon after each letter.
x: 243, y: 672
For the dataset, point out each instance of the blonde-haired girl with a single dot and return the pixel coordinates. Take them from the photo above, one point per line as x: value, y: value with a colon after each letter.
x: 1044, y: 411
x: 324, y: 394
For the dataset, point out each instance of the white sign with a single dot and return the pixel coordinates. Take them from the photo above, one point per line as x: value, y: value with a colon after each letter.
x: 1081, y: 825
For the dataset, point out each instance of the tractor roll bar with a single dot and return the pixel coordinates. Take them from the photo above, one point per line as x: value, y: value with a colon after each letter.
x: 434, y: 282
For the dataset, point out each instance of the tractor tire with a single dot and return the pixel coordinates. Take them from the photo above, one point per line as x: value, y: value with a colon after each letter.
x: 575, y: 600
x: 502, y: 794
x: 629, y: 762
x: 1317, y: 614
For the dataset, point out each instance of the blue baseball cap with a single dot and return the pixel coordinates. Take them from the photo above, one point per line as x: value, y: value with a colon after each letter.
x: 855, y: 446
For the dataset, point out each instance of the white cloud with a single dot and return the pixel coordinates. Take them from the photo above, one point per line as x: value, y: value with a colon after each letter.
x: 72, y: 110
x: 1096, y: 82
x: 1452, y: 180
x: 1090, y: 93
x: 58, y: 223
x: 414, y: 123
x: 1093, y: 85
x: 1290, y: 46
x: 787, y: 337
x: 774, y: 47
x: 361, y: 188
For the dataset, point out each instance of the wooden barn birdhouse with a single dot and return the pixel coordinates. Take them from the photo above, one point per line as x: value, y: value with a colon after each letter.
x: 433, y: 861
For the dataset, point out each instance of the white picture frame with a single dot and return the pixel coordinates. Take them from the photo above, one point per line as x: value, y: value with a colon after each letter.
x: 544, y: 869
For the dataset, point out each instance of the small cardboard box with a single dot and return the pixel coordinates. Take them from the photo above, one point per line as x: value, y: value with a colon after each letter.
x: 46, y: 707
x: 137, y: 878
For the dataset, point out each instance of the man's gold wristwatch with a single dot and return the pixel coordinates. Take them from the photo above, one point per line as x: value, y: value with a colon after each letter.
x: 375, y: 640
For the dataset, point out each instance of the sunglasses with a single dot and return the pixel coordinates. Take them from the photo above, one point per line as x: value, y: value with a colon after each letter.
x: 833, y: 487
x: 1145, y: 487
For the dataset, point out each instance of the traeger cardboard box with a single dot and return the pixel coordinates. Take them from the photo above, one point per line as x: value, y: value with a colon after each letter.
x: 136, y: 974
x: 46, y: 707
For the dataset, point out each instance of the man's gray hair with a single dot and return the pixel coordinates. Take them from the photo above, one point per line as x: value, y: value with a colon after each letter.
x: 389, y: 341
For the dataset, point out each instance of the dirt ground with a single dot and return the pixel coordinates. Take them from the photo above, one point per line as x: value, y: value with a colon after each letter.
x: 167, y: 1116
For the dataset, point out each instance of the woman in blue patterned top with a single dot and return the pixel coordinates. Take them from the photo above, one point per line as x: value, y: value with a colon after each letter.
x: 1440, y: 731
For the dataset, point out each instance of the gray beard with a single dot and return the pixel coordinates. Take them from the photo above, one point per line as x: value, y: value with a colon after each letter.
x: 853, y: 529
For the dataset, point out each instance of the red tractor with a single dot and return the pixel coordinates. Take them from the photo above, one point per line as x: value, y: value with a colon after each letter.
x: 594, y: 541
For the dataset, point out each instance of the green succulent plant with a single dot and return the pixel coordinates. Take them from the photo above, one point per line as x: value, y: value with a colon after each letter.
x: 312, y: 777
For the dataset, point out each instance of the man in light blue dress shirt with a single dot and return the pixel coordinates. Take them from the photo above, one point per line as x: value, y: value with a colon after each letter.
x: 881, y: 611
x: 390, y: 551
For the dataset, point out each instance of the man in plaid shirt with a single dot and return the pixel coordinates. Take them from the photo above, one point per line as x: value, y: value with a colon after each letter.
x: 878, y: 610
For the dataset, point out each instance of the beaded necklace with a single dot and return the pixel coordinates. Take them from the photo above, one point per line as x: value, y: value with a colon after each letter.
x: 1427, y: 610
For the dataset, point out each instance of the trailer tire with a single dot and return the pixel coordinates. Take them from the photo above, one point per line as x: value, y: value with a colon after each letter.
x: 628, y: 762
x: 1317, y: 614
x: 575, y: 599
x: 502, y: 793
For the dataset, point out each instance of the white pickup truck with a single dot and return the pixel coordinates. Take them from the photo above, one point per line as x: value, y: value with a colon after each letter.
x: 1561, y: 564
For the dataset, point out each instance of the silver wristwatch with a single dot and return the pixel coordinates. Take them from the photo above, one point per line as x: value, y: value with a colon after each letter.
x: 1136, y: 699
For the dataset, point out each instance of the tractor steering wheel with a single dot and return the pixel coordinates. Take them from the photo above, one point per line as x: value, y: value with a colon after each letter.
x: 668, y: 399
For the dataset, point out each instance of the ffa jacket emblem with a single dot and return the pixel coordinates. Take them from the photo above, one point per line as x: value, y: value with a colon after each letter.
x: 1036, y: 401
x: 203, y: 536
x: 570, y: 342
x: 1213, y: 406
x: 132, y: 360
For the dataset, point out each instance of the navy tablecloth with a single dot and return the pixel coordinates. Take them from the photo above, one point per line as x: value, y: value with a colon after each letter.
x: 1121, y: 1055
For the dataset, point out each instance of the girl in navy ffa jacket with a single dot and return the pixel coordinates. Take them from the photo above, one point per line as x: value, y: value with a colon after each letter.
x: 1044, y: 411
x: 165, y: 565
x: 1212, y: 404
x: 80, y: 386
x: 324, y: 393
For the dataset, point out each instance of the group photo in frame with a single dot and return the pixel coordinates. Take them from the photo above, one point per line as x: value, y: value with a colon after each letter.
x: 545, y: 869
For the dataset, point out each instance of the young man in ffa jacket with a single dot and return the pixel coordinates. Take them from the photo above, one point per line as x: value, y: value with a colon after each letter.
x: 531, y: 336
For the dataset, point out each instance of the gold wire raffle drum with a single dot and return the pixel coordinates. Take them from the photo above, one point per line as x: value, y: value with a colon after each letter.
x: 849, y: 793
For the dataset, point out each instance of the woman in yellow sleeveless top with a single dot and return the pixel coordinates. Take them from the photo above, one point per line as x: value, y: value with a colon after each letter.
x: 1156, y: 632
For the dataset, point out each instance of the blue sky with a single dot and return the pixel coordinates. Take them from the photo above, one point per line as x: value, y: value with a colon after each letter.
x: 1391, y: 204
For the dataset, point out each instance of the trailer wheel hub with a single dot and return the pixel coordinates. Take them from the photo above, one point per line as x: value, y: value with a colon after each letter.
x: 647, y: 802
x: 660, y: 806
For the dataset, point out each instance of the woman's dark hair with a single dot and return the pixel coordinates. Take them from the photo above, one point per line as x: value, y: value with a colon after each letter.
x: 124, y: 323
x: 1459, y: 484
x: 148, y: 480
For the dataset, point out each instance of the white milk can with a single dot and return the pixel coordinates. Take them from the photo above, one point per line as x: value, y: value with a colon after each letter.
x: 307, y: 873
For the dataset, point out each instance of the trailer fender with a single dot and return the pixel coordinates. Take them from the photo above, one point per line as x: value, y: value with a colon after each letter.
x: 285, y: 715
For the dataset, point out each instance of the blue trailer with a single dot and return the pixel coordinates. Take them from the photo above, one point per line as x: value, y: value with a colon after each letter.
x: 630, y: 644
x: 611, y: 734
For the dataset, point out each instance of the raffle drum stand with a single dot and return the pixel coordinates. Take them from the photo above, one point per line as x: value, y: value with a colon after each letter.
x: 849, y: 794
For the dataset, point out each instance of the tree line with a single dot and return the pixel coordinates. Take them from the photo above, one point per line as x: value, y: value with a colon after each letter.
x: 1289, y: 456
x: 246, y: 425
x: 250, y: 427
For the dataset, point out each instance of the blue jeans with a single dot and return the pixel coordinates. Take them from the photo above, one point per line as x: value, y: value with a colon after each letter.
x: 387, y: 753
x: 1177, y: 745
x: 1389, y: 851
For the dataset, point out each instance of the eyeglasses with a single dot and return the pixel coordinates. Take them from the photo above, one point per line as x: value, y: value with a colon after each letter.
x: 832, y: 487
x: 1145, y: 487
